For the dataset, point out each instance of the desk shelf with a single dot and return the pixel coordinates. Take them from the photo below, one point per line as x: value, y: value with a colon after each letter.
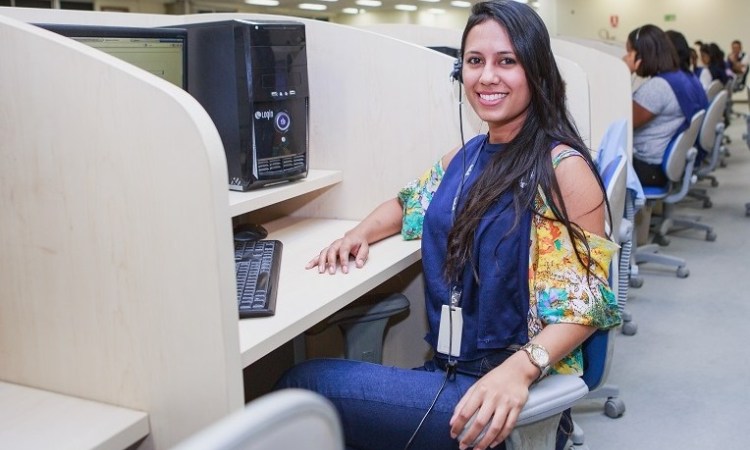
x: 306, y: 297
x: 33, y: 419
x: 244, y: 202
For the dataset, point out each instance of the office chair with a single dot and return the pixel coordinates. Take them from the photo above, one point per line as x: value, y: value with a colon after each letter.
x: 598, y: 349
x: 363, y: 324
x: 711, y: 139
x: 623, y: 188
x: 678, y: 166
x: 290, y: 418
x: 713, y: 89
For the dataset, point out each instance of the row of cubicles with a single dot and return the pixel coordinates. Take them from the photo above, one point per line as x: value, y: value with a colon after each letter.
x: 118, y: 319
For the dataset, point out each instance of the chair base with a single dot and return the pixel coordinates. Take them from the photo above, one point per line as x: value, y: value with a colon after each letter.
x: 629, y: 327
x: 681, y: 223
x: 650, y: 254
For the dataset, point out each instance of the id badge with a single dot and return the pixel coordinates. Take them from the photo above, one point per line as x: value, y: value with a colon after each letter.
x: 450, y: 331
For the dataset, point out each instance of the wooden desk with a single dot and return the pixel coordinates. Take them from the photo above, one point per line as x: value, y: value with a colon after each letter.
x: 36, y: 419
x: 306, y: 297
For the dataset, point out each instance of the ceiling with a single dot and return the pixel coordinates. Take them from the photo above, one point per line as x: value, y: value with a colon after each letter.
x: 354, y: 7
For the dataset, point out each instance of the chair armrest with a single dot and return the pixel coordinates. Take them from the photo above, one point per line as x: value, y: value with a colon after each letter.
x: 552, y: 395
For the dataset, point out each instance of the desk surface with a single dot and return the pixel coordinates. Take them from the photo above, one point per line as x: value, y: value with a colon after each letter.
x: 34, y: 419
x: 306, y: 297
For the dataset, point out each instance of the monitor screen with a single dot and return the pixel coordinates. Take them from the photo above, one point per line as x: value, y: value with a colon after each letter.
x: 161, y: 51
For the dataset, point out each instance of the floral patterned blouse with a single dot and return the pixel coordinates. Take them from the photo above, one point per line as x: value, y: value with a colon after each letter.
x: 560, y: 290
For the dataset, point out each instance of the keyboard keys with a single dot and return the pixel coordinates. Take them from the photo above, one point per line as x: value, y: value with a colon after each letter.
x: 257, y: 268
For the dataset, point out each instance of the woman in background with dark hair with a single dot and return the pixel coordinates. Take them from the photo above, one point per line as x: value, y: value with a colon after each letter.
x: 663, y: 105
x: 683, y: 56
x: 714, y: 67
x: 512, y: 229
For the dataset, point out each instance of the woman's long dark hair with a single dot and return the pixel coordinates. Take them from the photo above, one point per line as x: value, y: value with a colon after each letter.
x: 526, y: 162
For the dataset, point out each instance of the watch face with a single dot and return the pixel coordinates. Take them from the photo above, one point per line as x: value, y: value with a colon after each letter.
x: 540, y: 355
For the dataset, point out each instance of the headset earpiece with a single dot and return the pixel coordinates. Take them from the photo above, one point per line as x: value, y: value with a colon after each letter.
x: 456, y: 72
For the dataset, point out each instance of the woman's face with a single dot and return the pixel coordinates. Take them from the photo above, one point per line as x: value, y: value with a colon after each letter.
x: 630, y: 58
x: 705, y: 58
x: 494, y: 81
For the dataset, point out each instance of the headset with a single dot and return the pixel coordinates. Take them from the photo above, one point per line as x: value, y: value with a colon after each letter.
x: 456, y: 72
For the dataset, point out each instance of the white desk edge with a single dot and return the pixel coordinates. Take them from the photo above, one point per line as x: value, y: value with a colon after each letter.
x: 34, y: 418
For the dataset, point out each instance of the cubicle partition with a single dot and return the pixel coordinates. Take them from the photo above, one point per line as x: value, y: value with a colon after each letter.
x: 117, y: 280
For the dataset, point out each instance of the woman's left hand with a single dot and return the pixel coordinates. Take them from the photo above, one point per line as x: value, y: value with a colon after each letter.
x: 497, y: 399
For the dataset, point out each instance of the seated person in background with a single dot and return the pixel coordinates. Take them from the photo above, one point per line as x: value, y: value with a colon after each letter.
x: 512, y: 229
x: 737, y: 62
x: 663, y: 105
x: 714, y: 66
x: 694, y: 67
x: 683, y: 57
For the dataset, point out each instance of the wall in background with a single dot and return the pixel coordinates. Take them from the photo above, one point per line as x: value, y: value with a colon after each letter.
x: 719, y: 21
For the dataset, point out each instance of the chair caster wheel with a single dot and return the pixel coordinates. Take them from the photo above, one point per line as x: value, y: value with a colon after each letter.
x: 714, y: 183
x: 614, y: 408
x: 629, y: 328
x: 636, y: 282
x: 710, y: 236
x: 707, y: 204
x: 683, y: 272
x: 661, y: 240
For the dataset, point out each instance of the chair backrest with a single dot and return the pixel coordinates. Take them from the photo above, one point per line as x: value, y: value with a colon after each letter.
x: 713, y: 89
x: 614, y: 177
x: 675, y: 157
x: 290, y: 418
x: 598, y: 349
x: 714, y: 115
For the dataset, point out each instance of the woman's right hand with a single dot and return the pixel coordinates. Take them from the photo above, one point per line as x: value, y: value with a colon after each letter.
x: 339, y: 252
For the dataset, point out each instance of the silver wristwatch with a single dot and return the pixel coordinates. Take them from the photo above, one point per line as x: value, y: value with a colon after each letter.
x: 538, y: 356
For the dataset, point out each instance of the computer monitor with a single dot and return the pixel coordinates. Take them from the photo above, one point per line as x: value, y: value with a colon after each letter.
x: 161, y: 51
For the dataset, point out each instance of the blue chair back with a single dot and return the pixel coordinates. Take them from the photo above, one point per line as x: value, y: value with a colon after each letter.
x: 597, y: 349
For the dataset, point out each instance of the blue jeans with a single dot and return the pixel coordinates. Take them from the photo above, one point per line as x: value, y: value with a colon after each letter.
x: 380, y: 407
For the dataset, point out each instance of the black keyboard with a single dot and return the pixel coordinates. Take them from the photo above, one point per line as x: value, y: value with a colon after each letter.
x: 257, y: 269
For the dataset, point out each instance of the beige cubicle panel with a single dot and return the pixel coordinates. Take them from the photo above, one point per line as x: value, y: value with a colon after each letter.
x: 609, y: 85
x: 419, y: 34
x: 117, y: 272
x: 576, y: 78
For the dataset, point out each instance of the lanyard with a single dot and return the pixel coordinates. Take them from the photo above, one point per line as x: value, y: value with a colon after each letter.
x: 456, y: 292
x: 465, y: 176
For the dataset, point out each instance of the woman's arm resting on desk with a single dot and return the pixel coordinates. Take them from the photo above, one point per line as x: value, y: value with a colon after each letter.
x: 384, y: 221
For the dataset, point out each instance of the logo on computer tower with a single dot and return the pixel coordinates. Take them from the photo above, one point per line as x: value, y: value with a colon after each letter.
x: 268, y: 115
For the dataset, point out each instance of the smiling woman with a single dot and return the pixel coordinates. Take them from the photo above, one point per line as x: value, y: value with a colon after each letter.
x: 512, y: 227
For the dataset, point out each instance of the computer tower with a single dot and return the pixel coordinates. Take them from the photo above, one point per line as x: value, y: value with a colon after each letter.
x: 251, y: 78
